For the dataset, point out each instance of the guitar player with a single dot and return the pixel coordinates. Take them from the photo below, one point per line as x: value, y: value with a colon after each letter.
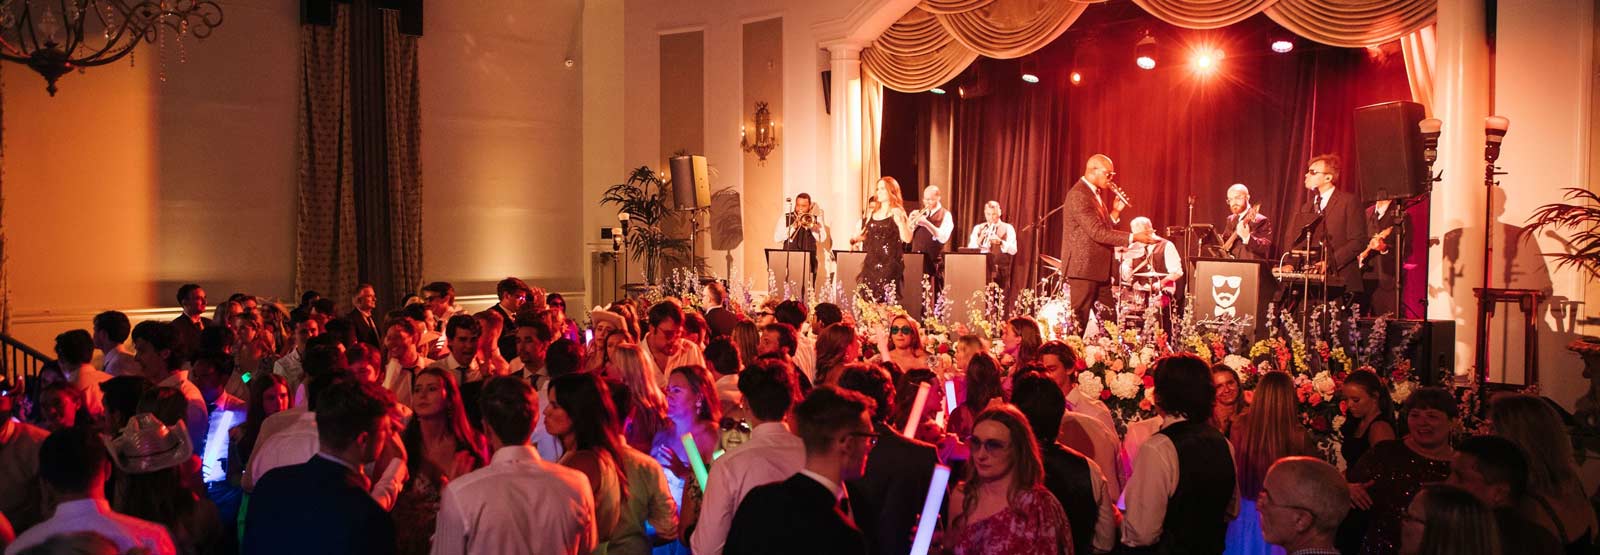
x: 1251, y: 237
x: 1378, y: 259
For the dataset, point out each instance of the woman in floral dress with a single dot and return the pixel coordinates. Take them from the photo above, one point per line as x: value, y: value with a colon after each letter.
x: 1002, y: 507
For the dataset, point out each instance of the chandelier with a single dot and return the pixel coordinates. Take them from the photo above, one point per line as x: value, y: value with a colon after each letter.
x: 57, y: 36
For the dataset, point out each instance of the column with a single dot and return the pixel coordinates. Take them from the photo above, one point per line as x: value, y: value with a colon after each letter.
x: 844, y: 60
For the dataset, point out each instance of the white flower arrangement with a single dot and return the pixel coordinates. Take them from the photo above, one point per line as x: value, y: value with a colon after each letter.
x: 1125, y: 385
x: 1323, y: 384
x: 1089, y: 383
x: 1401, y: 391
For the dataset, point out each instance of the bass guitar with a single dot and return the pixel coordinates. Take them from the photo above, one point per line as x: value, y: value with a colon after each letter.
x: 1249, y: 216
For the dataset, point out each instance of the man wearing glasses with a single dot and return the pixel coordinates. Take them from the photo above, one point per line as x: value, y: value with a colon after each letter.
x: 1336, y: 226
x: 514, y: 294
x: 1089, y: 238
x: 1302, y: 501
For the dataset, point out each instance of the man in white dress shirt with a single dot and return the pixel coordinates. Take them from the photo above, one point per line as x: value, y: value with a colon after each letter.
x: 1158, y: 258
x: 803, y: 229
x: 73, y: 464
x: 772, y: 454
x: 156, y: 347
x: 1087, y: 425
x: 931, y: 227
x: 290, y: 368
x: 489, y: 511
x: 402, y: 358
x: 996, y: 239
x: 74, y: 350
x: 1183, y: 490
x: 110, y: 337
x: 665, y: 343
x: 534, y: 337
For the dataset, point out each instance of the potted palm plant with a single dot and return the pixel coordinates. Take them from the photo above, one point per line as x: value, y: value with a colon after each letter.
x: 1580, y: 214
x: 644, y: 198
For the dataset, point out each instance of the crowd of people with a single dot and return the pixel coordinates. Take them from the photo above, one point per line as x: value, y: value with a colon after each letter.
x: 264, y: 429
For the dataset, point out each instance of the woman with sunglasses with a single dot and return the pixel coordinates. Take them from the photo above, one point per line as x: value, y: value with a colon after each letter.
x: 903, y: 346
x: 1002, y: 505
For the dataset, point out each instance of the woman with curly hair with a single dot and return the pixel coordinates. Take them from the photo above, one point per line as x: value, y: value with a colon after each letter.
x: 1002, y: 506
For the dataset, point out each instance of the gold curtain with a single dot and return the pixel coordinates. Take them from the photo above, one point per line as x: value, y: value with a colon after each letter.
x: 1203, y: 14
x: 871, y: 133
x: 1418, y: 49
x: 938, y: 39
x: 325, y: 257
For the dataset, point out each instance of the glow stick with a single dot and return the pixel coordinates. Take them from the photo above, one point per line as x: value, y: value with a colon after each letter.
x: 695, y: 461
x: 938, y: 419
x: 930, y: 510
x: 950, y: 396
x: 916, y: 410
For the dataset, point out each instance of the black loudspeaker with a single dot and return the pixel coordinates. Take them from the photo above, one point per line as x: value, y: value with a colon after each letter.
x: 1389, y: 151
x: 691, y: 187
x: 1432, y: 347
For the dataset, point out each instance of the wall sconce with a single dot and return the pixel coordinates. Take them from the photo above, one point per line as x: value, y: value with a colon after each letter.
x: 766, y: 135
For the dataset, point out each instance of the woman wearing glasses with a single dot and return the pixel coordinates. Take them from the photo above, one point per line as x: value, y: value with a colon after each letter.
x: 903, y: 346
x: 1002, y: 506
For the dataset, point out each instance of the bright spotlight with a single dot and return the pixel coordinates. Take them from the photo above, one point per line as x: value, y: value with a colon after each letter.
x: 1206, y: 60
x: 1077, y: 78
x: 936, y: 90
x: 1282, y: 46
x: 1145, y: 52
x: 1031, y: 78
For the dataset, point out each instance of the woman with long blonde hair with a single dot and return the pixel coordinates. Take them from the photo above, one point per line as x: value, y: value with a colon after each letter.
x: 887, y: 231
x: 631, y: 366
x: 746, y: 336
x: 1269, y: 430
x: 1002, y: 506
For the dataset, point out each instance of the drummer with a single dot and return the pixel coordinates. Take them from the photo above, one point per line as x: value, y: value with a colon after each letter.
x: 1153, y: 267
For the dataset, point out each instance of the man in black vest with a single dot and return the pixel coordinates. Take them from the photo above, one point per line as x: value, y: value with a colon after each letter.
x: 803, y: 229
x: 930, y: 232
x: 1152, y: 268
x: 888, y: 498
x: 1182, y: 494
x: 1076, y: 481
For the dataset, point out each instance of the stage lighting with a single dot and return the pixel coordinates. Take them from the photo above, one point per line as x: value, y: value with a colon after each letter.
x: 1145, y: 52
x: 936, y: 90
x: 1282, y: 46
x: 1031, y: 78
x: 1077, y: 78
x: 1030, y: 71
x: 1206, y: 59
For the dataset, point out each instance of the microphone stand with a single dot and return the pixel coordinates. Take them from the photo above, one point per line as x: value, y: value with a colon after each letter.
x: 1046, y: 216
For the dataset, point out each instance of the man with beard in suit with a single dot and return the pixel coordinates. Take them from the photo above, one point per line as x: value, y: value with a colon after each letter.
x: 1252, y: 236
x: 1086, y: 256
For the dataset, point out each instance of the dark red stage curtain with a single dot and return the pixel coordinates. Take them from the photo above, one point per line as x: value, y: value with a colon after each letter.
x: 1173, y: 134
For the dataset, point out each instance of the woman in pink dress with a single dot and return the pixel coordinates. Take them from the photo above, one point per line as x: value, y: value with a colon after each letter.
x: 1003, y: 507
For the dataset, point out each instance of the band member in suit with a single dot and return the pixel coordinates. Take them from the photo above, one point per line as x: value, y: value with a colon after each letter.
x: 1160, y: 257
x: 930, y: 232
x: 803, y: 229
x: 996, y: 239
x: 1341, y: 232
x: 1252, y: 237
x: 1088, y: 237
x: 1378, y: 260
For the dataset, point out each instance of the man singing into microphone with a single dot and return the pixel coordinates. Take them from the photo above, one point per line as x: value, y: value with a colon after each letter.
x: 1252, y: 231
x: 1088, y: 238
x: 803, y: 229
x: 996, y: 239
x: 930, y: 232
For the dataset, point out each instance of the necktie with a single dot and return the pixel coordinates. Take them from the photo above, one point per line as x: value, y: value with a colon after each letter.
x: 1321, y: 203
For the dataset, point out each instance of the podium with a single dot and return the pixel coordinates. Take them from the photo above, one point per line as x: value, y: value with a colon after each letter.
x: 791, y: 271
x: 1228, y: 290
x: 848, y: 265
x: 965, y: 273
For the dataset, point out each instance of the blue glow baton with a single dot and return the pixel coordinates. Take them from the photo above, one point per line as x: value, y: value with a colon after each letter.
x: 930, y: 510
x: 695, y: 461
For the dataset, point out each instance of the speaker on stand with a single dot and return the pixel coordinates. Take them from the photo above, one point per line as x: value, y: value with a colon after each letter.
x: 691, y: 192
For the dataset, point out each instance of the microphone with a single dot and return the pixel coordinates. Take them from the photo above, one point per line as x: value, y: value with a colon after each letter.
x: 788, y: 209
x: 1430, y: 139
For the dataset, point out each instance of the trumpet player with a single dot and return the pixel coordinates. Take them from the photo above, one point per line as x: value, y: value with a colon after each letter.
x: 802, y: 228
x: 931, y: 227
x: 996, y: 239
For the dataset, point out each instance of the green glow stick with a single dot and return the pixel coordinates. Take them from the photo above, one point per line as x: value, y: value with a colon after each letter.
x: 695, y: 461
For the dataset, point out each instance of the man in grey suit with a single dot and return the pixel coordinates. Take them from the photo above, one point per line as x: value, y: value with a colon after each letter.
x: 1089, y: 237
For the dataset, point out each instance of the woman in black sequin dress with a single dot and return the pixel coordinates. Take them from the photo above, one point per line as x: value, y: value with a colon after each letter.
x: 886, y: 234
x: 1391, y: 473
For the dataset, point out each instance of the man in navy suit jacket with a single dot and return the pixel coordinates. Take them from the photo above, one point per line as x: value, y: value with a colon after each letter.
x: 810, y: 512
x: 322, y: 506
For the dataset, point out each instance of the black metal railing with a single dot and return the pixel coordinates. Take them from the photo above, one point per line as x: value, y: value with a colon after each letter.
x: 20, y: 360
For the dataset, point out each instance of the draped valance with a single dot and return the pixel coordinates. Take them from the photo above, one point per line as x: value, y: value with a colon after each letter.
x: 938, y: 39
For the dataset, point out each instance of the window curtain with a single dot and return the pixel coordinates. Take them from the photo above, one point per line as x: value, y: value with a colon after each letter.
x: 1418, y: 49
x: 360, y: 184
x: 325, y: 258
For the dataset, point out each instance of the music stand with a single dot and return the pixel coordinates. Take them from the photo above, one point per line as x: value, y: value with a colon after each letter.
x: 783, y: 262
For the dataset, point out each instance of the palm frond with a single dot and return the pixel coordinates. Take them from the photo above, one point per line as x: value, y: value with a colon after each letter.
x: 1581, y: 215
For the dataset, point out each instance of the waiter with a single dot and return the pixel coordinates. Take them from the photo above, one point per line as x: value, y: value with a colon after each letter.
x: 931, y: 226
x: 1088, y: 237
x: 802, y: 229
x: 996, y: 239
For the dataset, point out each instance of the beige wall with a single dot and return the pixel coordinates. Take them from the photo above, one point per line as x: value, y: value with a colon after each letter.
x: 763, y: 183
x: 123, y: 186
x: 1543, y: 68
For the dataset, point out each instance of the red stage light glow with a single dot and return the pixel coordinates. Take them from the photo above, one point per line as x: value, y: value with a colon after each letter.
x: 1145, y: 62
x: 1206, y: 59
x: 1282, y: 46
x: 1077, y: 78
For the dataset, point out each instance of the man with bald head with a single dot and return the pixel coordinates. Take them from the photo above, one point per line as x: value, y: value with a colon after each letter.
x: 930, y: 232
x: 1247, y: 238
x: 1302, y: 501
x: 1089, y: 237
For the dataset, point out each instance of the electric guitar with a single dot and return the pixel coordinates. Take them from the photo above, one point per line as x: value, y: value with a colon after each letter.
x: 1249, y: 216
x: 1361, y: 259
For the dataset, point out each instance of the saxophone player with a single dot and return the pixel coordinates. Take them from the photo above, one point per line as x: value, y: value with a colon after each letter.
x: 997, y: 239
